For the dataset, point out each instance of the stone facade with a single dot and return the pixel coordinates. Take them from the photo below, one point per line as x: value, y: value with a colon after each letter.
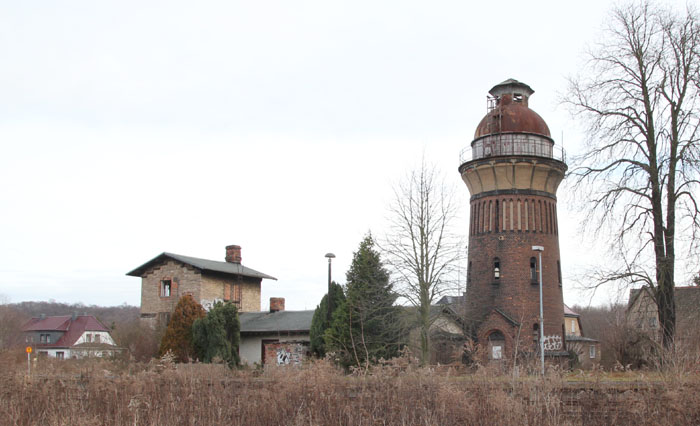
x: 168, y: 277
x: 242, y: 291
x: 643, y: 315
x: 156, y: 308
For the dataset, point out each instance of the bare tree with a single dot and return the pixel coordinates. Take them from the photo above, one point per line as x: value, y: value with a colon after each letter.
x: 421, y: 249
x: 639, y: 96
x: 11, y: 321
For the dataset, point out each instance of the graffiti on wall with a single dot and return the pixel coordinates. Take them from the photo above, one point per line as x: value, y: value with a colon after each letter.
x: 552, y: 343
x: 208, y: 304
x: 290, y: 354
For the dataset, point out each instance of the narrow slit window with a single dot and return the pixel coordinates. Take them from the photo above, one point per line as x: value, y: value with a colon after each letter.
x: 533, y: 270
x: 559, y: 271
x: 496, y: 268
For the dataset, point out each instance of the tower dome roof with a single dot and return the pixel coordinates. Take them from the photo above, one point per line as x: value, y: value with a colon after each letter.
x: 509, y: 111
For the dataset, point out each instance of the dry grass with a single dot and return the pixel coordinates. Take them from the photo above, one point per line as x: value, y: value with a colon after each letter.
x: 119, y: 393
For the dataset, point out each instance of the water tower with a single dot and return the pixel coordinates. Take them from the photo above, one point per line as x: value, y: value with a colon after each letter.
x: 512, y: 170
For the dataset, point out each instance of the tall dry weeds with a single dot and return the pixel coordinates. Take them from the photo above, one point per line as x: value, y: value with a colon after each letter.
x: 118, y: 393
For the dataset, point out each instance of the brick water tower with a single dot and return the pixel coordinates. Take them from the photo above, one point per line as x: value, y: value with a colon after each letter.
x: 512, y: 170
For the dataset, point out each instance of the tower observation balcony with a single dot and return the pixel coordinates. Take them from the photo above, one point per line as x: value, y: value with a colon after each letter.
x: 512, y: 144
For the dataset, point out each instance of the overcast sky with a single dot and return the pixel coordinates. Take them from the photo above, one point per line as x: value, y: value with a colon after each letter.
x: 133, y: 128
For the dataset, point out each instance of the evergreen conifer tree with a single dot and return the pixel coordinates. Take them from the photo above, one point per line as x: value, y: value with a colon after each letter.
x: 319, y: 322
x: 218, y: 334
x: 366, y: 327
x: 178, y: 334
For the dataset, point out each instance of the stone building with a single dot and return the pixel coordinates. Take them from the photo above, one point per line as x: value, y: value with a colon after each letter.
x: 512, y: 170
x: 643, y: 315
x: 168, y: 276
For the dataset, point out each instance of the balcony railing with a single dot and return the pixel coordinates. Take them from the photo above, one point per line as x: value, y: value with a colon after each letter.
x: 504, y: 144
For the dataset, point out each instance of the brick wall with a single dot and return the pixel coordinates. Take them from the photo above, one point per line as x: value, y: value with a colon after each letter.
x: 214, y: 288
x: 285, y: 353
x: 185, y: 279
x: 503, y: 232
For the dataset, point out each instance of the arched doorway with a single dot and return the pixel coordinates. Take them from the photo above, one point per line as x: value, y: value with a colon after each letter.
x: 497, y: 345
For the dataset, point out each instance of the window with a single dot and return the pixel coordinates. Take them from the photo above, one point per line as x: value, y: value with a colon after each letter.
x: 496, y: 268
x: 88, y: 338
x: 559, y: 271
x: 533, y: 270
x: 496, y: 344
x: 45, y: 338
x: 469, y: 273
x: 652, y: 322
x: 573, y: 326
x: 59, y: 355
x: 591, y: 351
x: 517, y: 97
x: 97, y: 338
x: 165, y: 286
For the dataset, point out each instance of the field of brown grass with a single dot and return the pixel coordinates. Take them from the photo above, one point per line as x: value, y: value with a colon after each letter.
x: 94, y: 392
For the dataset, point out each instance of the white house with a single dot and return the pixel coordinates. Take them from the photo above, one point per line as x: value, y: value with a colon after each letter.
x: 69, y: 336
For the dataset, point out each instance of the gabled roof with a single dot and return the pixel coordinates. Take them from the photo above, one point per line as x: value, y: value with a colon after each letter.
x: 687, y: 299
x: 280, y: 321
x: 450, y: 300
x: 72, y: 328
x: 568, y: 312
x: 507, y: 317
x: 202, y: 264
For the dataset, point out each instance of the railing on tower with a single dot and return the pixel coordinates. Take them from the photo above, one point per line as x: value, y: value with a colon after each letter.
x: 502, y: 144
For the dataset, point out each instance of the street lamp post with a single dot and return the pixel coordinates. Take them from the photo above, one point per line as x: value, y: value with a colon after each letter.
x: 539, y: 250
x: 330, y: 256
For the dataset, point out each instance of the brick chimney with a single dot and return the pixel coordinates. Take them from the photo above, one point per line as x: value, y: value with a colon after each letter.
x: 233, y: 254
x: 276, y: 304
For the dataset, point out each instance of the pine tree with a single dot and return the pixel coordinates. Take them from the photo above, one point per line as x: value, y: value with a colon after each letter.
x: 319, y: 322
x: 178, y: 335
x: 366, y: 327
x: 218, y: 334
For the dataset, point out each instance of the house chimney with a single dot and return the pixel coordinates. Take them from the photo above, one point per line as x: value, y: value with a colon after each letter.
x: 276, y: 304
x: 75, y: 315
x: 233, y: 254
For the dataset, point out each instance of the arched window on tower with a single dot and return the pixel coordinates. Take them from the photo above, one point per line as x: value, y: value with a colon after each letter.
x: 497, y: 343
x: 536, y: 334
x: 496, y: 268
x: 533, y: 271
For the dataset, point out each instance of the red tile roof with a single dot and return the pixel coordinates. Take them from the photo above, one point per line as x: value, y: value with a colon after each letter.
x: 72, y: 328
